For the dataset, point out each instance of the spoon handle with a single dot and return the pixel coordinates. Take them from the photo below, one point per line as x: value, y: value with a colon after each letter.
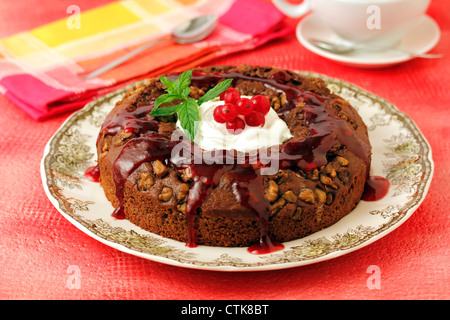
x: 346, y: 48
x: 425, y: 55
x: 122, y: 59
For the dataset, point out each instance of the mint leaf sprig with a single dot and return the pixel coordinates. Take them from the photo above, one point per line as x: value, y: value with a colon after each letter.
x: 188, y: 112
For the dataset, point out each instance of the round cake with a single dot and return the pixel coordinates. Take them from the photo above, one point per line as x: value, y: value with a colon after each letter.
x: 166, y: 184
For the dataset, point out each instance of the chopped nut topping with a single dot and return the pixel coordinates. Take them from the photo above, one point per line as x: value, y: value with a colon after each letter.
x: 276, y: 103
x: 332, y: 173
x: 290, y: 196
x: 125, y: 135
x: 159, y: 168
x: 307, y: 195
x: 184, y: 188
x: 271, y: 192
x: 281, y: 176
x: 277, y: 206
x: 196, y: 92
x: 321, y: 196
x: 186, y: 174
x: 326, y: 180
x: 182, y: 207
x: 315, y: 175
x: 283, y: 99
x: 342, y: 161
x: 145, y: 181
x: 166, y: 194
x: 121, y: 137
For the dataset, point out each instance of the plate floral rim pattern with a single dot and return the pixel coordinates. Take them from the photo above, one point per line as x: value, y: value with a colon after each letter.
x: 400, y: 153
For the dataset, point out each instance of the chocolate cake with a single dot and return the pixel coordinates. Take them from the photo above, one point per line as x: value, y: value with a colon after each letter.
x: 320, y: 177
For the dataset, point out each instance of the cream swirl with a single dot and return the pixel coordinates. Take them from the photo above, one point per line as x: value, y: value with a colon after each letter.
x: 212, y: 135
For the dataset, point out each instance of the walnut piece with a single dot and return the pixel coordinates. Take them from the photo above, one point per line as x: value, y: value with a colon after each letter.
x: 282, y: 176
x: 307, y: 195
x: 186, y: 174
x: 327, y: 181
x: 145, y: 181
x: 159, y: 168
x: 271, y: 192
x: 184, y: 189
x: 321, y: 196
x: 342, y: 161
x: 166, y: 194
x: 182, y: 207
x: 290, y: 196
x: 277, y: 206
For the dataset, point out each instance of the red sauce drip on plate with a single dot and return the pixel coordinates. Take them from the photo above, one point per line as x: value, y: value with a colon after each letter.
x: 119, y: 212
x: 265, y: 246
x: 92, y: 174
x: 375, y: 188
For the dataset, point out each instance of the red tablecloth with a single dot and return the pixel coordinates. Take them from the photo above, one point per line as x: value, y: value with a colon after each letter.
x: 37, y: 245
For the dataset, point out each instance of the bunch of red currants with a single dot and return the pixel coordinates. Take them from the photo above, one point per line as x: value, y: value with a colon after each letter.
x: 237, y: 112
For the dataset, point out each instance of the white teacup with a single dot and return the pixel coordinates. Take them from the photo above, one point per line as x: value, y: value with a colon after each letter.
x: 380, y: 23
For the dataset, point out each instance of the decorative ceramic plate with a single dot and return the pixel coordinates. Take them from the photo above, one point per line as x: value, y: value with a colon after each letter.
x: 400, y: 153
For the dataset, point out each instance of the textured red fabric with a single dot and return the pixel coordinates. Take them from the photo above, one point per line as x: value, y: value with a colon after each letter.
x: 37, y: 245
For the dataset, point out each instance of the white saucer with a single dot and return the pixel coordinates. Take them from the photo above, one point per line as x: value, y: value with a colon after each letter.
x: 422, y: 38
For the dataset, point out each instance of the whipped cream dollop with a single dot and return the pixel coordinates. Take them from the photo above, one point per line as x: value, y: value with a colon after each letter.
x: 212, y: 135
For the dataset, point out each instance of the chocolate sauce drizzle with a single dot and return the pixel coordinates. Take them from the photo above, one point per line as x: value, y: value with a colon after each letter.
x: 307, y: 153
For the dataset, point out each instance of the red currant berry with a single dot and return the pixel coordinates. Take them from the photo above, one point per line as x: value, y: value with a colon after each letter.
x: 261, y: 104
x: 255, y: 119
x: 244, y: 106
x: 236, y: 126
x: 128, y: 130
x: 231, y: 96
x: 228, y: 112
x: 229, y: 90
x: 218, y: 115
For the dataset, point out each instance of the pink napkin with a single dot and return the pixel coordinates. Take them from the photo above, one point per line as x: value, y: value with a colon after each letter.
x: 58, y: 88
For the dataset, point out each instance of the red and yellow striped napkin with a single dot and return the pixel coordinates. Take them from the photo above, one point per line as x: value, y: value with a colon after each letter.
x: 41, y: 69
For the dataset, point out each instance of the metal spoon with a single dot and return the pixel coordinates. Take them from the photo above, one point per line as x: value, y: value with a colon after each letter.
x: 188, y: 32
x: 346, y: 48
